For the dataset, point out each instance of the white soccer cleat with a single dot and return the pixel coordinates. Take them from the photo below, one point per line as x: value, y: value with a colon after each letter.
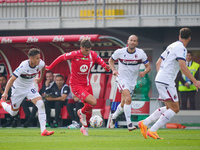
x: 131, y: 127
x: 84, y: 131
x: 82, y: 117
x: 112, y: 122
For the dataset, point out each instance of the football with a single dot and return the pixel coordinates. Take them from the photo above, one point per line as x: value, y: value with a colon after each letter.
x: 96, y: 121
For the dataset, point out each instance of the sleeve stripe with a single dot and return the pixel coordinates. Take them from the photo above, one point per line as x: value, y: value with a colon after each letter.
x: 180, y: 58
x: 145, y: 62
x: 15, y: 75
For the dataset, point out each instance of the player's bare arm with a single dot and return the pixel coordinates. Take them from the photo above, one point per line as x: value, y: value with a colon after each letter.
x: 187, y: 73
x: 112, y: 66
x: 8, y: 85
x: 38, y: 80
x: 158, y: 63
x: 147, y: 70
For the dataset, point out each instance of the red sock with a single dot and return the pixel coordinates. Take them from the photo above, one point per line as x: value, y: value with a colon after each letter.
x: 87, y: 107
x: 88, y: 116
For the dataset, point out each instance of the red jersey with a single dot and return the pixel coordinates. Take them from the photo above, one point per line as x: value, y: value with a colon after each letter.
x: 80, y: 66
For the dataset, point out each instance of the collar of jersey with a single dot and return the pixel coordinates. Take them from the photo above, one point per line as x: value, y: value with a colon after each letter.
x: 129, y: 52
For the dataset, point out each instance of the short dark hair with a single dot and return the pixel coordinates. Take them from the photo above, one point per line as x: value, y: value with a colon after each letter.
x: 3, y: 76
x: 49, y: 72
x: 33, y: 52
x: 86, y: 43
x: 185, y: 33
x: 59, y: 75
x: 190, y: 52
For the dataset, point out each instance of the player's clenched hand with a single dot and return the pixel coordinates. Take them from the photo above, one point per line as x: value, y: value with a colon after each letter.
x: 115, y: 72
x: 142, y: 74
x: 4, y: 96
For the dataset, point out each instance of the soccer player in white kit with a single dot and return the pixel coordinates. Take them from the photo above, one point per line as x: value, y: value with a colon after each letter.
x: 129, y: 60
x: 170, y: 62
x: 22, y: 83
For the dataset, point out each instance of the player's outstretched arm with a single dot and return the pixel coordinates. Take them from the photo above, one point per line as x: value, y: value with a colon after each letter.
x: 56, y: 61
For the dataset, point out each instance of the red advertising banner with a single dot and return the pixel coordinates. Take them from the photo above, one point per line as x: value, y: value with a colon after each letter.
x: 140, y: 107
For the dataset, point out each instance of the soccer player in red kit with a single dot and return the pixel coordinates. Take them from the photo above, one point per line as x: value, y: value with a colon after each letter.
x: 81, y: 63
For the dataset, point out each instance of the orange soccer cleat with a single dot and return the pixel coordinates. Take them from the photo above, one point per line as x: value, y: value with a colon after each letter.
x: 154, y: 135
x: 143, y: 129
x: 47, y: 133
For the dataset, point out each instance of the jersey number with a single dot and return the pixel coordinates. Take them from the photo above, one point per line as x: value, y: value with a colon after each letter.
x: 33, y: 91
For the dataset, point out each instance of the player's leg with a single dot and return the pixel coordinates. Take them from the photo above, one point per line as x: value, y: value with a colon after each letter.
x: 12, y: 108
x: 171, y: 101
x: 127, y: 108
x: 41, y: 116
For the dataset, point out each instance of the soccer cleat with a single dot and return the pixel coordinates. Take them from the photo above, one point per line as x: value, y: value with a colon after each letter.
x: 131, y: 127
x: 82, y: 117
x: 1, y: 102
x: 84, y: 131
x: 154, y: 135
x: 143, y: 129
x: 47, y: 133
x: 112, y: 122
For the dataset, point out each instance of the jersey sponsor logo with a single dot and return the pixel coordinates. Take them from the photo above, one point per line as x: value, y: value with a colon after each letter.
x: 130, y: 62
x: 83, y: 68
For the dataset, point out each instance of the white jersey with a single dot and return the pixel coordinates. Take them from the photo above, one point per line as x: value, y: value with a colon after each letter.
x: 129, y: 63
x: 25, y: 74
x: 170, y: 66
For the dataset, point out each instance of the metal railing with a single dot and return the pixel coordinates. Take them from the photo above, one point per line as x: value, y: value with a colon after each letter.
x: 96, y: 9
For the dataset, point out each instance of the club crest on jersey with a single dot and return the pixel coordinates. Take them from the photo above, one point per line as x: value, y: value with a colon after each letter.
x: 83, y: 68
x: 136, y: 56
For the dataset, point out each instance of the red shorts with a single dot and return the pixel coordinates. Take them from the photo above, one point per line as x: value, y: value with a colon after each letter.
x: 81, y: 91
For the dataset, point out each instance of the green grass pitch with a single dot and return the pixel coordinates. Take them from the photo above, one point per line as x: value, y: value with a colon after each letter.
x: 98, y: 139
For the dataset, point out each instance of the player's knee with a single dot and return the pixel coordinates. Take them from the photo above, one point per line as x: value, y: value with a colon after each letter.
x: 14, y: 113
x: 93, y: 102
x: 40, y: 104
x: 128, y: 101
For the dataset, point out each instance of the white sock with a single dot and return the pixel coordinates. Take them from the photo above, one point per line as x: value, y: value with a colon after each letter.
x: 154, y: 116
x: 41, y: 115
x: 127, y: 112
x: 7, y: 107
x: 164, y: 118
x: 118, y: 111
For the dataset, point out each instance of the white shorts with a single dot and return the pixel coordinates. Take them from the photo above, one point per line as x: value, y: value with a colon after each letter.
x: 166, y: 92
x: 123, y: 84
x: 18, y: 95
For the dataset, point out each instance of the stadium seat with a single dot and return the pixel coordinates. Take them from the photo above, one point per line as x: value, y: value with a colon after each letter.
x: 52, y: 0
x: 38, y: 1
x: 23, y: 1
x: 2, y: 1
x: 11, y: 1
